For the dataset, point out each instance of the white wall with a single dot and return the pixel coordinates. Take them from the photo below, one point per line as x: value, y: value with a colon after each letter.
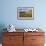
x: 9, y: 13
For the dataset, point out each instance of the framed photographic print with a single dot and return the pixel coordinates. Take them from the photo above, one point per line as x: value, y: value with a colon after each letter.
x: 25, y: 13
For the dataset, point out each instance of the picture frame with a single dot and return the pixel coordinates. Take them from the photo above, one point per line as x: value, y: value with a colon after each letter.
x: 25, y: 13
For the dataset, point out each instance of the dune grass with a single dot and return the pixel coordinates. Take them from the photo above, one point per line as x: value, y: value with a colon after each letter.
x: 25, y: 14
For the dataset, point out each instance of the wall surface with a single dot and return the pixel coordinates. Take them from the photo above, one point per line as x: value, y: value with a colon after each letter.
x: 8, y: 13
